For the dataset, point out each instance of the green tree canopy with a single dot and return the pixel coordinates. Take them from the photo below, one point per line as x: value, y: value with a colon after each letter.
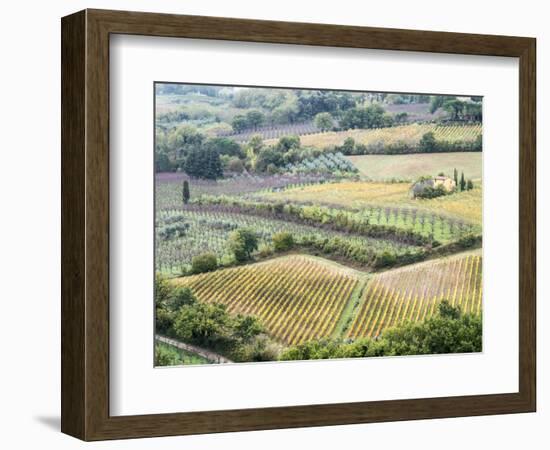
x: 323, y: 121
x: 203, y: 162
x: 242, y: 243
x: 428, y: 142
x: 255, y: 119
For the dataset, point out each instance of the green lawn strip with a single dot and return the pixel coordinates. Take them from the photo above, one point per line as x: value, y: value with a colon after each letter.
x: 350, y: 310
x: 185, y: 356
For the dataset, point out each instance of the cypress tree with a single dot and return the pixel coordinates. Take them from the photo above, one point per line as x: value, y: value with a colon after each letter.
x: 462, y: 182
x: 186, y: 194
x: 456, y: 177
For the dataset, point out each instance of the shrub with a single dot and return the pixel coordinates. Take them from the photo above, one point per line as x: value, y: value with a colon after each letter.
x: 428, y: 143
x: 385, y: 259
x: 165, y: 356
x: 235, y: 165
x: 283, y: 241
x: 163, y: 321
x: 430, y: 192
x: 265, y: 250
x: 206, y: 262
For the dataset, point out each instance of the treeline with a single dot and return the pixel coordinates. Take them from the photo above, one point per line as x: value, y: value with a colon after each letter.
x: 285, y: 106
x: 427, y: 144
x: 459, y: 110
x: 449, y: 331
x: 182, y: 89
x: 199, y: 156
x: 181, y: 316
x: 263, y: 106
x: 186, y: 149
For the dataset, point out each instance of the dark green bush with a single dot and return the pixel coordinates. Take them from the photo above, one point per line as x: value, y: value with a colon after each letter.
x: 205, y: 262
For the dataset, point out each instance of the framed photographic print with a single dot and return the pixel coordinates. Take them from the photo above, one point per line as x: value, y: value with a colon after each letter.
x: 271, y: 225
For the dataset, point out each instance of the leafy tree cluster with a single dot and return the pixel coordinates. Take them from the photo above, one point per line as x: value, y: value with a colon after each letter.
x: 242, y: 243
x: 181, y: 316
x: 283, y: 106
x: 203, y: 163
x: 459, y: 110
x: 187, y: 149
x: 173, y: 116
x: 449, y: 331
x: 250, y: 120
x: 372, y: 116
x: 324, y: 121
x: 313, y: 102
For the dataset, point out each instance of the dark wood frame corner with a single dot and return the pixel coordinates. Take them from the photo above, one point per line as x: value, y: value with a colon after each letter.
x: 85, y: 224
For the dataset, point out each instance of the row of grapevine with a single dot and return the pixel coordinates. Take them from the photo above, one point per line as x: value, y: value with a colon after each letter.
x: 181, y: 235
x: 297, y: 298
x: 168, y: 186
x: 412, y: 294
x: 273, y: 132
x: 408, y: 134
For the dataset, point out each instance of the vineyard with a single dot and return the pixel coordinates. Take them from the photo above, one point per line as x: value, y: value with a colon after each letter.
x: 397, y: 296
x: 168, y: 185
x: 297, y: 298
x: 462, y: 206
x: 183, y: 234
x: 309, y: 244
x: 407, y: 134
x: 274, y: 132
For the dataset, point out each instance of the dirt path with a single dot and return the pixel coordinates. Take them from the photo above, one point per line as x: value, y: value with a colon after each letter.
x: 209, y: 355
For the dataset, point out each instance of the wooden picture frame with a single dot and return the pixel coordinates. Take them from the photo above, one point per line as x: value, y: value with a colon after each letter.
x: 85, y: 224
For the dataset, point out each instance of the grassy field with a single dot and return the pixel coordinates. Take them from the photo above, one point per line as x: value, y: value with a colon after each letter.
x: 465, y: 205
x: 394, y: 297
x: 409, y: 134
x: 297, y: 297
x: 410, y: 167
